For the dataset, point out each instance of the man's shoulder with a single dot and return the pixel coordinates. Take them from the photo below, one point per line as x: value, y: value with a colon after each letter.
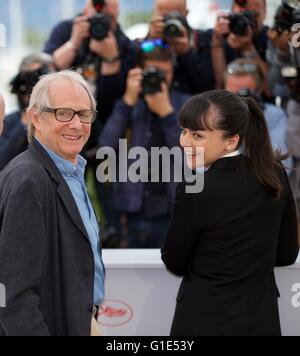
x: 273, y: 112
x: 24, y: 168
x: 65, y: 25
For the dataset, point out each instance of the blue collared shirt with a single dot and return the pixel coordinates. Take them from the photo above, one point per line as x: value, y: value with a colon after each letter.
x: 74, y: 177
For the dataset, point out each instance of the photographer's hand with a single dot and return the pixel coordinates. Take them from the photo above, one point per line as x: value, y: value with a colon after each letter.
x: 108, y: 50
x: 221, y: 30
x: 160, y: 103
x: 280, y: 40
x: 156, y: 27
x: 134, y: 87
x: 80, y: 31
x: 217, y: 49
x: 181, y: 45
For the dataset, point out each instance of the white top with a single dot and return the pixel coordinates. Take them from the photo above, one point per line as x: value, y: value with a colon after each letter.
x: 142, y: 259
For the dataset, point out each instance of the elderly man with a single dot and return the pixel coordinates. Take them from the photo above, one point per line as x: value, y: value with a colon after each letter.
x: 50, y: 259
x: 2, y: 112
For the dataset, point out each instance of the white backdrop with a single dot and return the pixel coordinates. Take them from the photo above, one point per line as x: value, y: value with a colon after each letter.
x: 140, y: 295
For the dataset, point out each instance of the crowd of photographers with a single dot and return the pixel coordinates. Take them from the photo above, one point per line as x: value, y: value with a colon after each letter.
x: 141, y: 86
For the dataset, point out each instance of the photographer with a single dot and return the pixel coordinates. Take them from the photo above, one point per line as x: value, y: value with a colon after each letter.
x: 95, y: 45
x: 281, y: 53
x: 14, y: 140
x: 150, y: 110
x: 193, y: 70
x: 246, y: 78
x: 241, y: 34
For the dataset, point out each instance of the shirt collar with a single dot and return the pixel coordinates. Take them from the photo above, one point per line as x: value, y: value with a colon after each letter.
x: 232, y: 154
x: 64, y: 166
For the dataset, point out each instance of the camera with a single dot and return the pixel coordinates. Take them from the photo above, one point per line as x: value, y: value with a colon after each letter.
x: 239, y: 22
x: 152, y: 81
x: 100, y: 23
x: 292, y: 75
x: 247, y: 93
x: 174, y: 25
x: 287, y: 15
x: 24, y: 82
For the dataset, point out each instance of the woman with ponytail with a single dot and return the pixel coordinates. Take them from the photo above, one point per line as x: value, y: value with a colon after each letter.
x: 226, y: 240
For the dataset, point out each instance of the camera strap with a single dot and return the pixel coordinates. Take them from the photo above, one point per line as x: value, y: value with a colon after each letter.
x: 90, y: 69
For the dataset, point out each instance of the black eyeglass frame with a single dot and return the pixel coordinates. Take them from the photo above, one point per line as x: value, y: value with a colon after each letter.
x: 54, y: 111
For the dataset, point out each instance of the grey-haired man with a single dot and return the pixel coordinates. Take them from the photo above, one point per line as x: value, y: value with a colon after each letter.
x: 50, y: 256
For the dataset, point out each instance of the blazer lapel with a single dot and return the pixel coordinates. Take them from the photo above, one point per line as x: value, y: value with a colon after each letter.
x: 63, y: 189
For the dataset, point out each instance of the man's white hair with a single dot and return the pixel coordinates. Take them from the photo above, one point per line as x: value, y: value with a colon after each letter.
x: 40, y: 94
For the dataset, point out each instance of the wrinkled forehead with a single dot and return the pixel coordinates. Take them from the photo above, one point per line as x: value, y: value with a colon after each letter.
x: 64, y: 93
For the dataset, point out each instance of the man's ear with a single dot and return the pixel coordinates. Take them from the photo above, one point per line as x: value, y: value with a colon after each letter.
x: 34, y: 118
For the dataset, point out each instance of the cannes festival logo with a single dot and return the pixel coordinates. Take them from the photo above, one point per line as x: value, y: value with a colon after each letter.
x: 2, y: 296
x: 115, y: 313
x: 2, y: 36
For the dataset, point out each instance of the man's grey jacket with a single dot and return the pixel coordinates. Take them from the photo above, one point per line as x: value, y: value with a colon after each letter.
x: 46, y: 261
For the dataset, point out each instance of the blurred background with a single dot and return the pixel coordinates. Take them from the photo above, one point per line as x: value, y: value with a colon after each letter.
x: 28, y: 23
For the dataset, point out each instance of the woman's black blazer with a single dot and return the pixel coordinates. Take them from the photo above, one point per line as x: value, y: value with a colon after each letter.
x: 226, y: 241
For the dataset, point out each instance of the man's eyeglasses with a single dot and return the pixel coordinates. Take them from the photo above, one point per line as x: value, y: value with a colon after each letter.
x: 67, y: 115
x: 150, y: 45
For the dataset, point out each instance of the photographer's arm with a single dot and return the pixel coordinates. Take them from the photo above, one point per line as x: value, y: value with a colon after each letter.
x: 218, y: 55
x: 65, y: 55
x: 218, y: 58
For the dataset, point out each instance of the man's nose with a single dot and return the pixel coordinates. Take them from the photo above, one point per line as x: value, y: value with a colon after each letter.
x: 76, y: 123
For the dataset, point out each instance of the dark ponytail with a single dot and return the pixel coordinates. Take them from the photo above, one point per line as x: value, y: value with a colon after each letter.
x: 264, y: 162
x: 222, y: 110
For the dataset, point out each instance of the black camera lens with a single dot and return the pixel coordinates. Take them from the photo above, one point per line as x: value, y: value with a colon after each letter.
x: 152, y: 81
x: 100, y: 26
x: 174, y: 24
x: 239, y: 22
